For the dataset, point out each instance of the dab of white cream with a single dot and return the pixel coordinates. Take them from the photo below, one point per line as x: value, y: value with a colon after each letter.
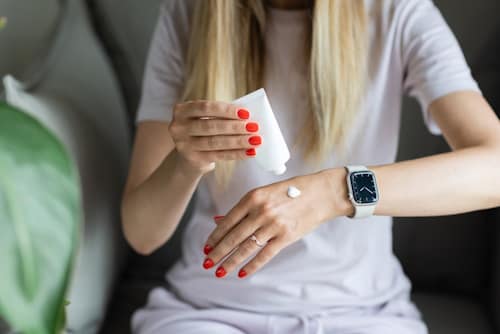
x: 293, y: 192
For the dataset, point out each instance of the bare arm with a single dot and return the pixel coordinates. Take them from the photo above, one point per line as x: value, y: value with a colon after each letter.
x: 149, y: 202
x: 466, y: 179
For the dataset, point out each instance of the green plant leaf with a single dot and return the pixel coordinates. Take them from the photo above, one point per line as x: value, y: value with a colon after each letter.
x: 40, y: 213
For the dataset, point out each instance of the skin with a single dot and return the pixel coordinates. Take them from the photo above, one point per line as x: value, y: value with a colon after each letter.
x: 177, y: 155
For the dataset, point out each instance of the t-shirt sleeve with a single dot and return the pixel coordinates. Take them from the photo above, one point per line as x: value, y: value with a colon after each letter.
x: 164, y: 71
x: 433, y: 61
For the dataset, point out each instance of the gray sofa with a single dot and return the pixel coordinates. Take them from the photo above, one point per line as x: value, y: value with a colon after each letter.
x: 87, y: 57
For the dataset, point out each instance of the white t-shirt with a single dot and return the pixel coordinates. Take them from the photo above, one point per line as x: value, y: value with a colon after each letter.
x: 344, y: 264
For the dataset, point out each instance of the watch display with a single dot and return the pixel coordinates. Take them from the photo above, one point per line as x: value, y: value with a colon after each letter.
x: 364, y: 187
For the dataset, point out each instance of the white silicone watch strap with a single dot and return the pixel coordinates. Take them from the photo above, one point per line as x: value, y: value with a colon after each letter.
x: 361, y: 211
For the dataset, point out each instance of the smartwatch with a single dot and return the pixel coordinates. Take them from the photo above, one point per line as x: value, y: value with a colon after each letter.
x: 363, y: 190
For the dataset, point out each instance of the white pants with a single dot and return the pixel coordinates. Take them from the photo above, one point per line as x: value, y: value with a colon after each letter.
x: 166, y: 314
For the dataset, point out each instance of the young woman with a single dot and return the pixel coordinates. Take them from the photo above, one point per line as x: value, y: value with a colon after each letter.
x: 335, y: 72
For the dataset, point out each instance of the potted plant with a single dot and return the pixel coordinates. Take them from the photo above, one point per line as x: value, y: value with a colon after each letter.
x: 40, y: 215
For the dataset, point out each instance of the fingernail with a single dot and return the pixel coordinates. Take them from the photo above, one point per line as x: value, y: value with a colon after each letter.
x: 207, y: 249
x: 221, y: 272
x: 251, y: 152
x: 243, y: 114
x: 218, y: 217
x: 208, y: 264
x: 242, y: 273
x: 252, y: 127
x: 255, y: 140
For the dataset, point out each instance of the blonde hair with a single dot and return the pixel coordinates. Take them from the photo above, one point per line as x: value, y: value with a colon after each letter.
x: 226, y: 58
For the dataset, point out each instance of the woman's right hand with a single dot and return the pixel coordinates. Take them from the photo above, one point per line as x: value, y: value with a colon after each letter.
x: 207, y: 131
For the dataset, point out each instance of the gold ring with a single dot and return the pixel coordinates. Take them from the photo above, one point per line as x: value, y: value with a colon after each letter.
x: 257, y: 242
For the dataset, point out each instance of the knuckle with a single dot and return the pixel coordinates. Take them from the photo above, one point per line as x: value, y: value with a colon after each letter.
x: 243, y: 141
x: 267, y: 210
x: 172, y: 128
x: 220, y: 126
x: 236, y: 126
x: 205, y: 105
x: 247, y: 247
x: 212, y: 142
x: 231, y: 241
x: 286, y: 230
x: 237, y: 257
x: 279, y: 224
x: 177, y: 108
x: 278, y: 221
x: 181, y: 145
x: 221, y: 230
x: 227, y: 108
x: 255, y: 196
x: 206, y: 125
x: 214, y: 238
x: 230, y: 263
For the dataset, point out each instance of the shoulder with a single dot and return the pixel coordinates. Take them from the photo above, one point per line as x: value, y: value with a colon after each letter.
x: 392, y: 13
x: 174, y: 22
x: 399, y: 22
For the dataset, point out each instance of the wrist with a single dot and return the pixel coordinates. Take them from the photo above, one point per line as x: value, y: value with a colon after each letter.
x: 337, y: 192
x: 186, y: 169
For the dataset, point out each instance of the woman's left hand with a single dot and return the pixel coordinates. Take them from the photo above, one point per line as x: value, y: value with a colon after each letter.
x: 275, y: 220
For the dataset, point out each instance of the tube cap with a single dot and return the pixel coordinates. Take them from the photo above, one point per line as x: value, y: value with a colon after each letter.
x: 279, y: 170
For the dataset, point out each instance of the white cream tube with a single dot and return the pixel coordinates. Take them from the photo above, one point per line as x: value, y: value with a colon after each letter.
x: 273, y: 153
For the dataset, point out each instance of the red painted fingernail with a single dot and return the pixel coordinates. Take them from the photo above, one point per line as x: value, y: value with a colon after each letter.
x: 255, y: 140
x: 243, y: 114
x: 208, y: 264
x: 207, y: 249
x: 251, y: 152
x: 252, y: 127
x: 242, y: 273
x: 218, y: 217
x: 221, y: 272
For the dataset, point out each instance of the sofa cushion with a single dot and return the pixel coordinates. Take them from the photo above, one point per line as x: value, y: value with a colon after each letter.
x: 26, y: 37
x: 126, y: 31
x: 446, y: 254
x: 446, y: 314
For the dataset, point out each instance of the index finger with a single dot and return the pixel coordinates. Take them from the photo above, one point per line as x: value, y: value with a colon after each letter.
x: 210, y: 110
x: 230, y: 220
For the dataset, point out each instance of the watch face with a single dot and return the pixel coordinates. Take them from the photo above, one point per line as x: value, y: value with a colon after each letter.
x: 364, y: 189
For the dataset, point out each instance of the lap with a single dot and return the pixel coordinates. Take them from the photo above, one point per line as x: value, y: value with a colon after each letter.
x: 165, y: 314
x: 193, y: 326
